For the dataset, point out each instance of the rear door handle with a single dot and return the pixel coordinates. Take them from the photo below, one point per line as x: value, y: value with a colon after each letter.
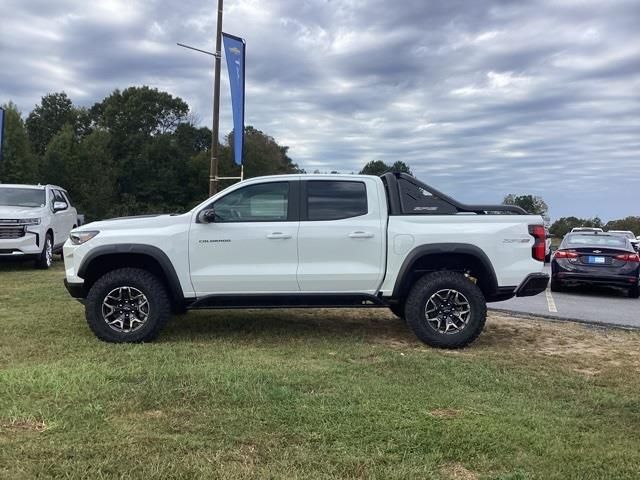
x: 360, y: 234
x: 278, y: 235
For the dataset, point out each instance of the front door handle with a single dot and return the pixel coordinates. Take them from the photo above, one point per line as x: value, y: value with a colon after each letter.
x: 361, y: 234
x: 278, y: 235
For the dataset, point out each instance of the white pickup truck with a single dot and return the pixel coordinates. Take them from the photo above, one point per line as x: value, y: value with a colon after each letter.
x: 310, y: 241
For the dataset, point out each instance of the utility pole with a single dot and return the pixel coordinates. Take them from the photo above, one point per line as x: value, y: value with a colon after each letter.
x: 213, y: 167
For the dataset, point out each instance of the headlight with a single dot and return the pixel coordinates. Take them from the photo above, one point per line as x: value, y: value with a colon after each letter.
x: 30, y: 221
x: 78, y: 238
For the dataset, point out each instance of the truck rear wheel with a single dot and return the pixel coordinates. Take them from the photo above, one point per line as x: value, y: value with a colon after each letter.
x: 446, y: 310
x: 127, y: 305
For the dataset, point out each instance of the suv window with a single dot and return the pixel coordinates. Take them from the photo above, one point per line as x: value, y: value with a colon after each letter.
x: 66, y: 197
x: 334, y: 200
x: 59, y: 197
x: 266, y: 202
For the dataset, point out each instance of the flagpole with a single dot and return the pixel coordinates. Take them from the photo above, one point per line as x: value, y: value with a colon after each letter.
x: 213, y: 167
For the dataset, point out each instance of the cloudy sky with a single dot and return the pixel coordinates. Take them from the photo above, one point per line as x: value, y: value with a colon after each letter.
x: 480, y: 98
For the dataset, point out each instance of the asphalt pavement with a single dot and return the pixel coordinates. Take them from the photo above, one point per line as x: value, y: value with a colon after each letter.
x: 602, y: 305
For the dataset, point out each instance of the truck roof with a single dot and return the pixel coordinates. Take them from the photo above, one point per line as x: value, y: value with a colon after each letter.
x: 34, y: 187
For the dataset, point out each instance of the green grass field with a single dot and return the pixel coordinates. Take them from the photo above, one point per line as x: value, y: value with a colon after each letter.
x: 307, y: 394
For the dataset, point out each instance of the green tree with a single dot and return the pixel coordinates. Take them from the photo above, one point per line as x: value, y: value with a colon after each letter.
x: 627, y: 223
x: 378, y: 167
x: 139, y: 110
x: 400, y: 166
x: 47, y: 119
x: 262, y: 156
x: 19, y: 164
x: 563, y: 225
x: 531, y: 203
x: 60, y: 159
x: 374, y: 167
x: 93, y: 186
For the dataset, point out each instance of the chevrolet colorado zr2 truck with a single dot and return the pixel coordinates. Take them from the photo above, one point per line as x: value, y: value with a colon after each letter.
x: 299, y: 241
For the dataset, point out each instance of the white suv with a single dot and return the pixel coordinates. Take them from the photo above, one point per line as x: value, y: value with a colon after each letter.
x: 35, y: 221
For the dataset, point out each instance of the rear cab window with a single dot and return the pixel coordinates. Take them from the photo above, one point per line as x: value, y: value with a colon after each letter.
x: 334, y: 200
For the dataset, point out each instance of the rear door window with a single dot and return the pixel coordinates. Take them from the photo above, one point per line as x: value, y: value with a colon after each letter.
x: 335, y: 200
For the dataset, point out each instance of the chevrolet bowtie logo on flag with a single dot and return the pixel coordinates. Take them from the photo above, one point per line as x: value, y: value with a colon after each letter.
x: 234, y: 51
x: 1, y: 131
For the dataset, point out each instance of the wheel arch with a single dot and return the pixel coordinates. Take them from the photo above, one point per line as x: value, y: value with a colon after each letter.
x: 106, y: 258
x: 460, y: 257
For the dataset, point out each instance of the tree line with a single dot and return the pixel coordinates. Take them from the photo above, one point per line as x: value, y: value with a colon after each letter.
x: 136, y: 151
x: 536, y: 205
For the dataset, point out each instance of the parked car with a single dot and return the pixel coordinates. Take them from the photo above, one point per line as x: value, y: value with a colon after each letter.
x: 547, y: 246
x: 630, y: 235
x: 35, y: 221
x: 596, y: 259
x: 586, y: 229
x: 310, y: 241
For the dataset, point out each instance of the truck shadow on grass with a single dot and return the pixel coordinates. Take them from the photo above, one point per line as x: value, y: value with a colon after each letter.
x: 284, y: 325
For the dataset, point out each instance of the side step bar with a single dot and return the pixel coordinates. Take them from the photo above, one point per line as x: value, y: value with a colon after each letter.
x: 287, y: 300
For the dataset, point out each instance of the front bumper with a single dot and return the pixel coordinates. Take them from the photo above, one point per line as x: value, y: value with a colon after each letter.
x: 534, y: 284
x: 76, y: 290
x: 29, y: 244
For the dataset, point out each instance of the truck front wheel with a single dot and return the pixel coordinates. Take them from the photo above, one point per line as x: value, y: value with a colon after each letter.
x: 446, y: 310
x: 127, y: 305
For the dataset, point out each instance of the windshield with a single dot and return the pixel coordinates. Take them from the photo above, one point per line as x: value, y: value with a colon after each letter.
x: 576, y: 241
x: 22, y: 197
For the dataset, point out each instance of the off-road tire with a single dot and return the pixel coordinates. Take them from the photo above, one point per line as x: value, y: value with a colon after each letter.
x: 429, y: 285
x: 634, y: 292
x: 142, y: 280
x: 45, y: 258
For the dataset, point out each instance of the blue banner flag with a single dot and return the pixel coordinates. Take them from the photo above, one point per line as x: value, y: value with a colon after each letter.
x: 234, y: 52
x: 1, y: 131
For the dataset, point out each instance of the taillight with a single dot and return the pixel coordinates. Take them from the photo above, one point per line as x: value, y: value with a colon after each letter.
x: 538, y: 249
x: 629, y: 257
x: 565, y: 254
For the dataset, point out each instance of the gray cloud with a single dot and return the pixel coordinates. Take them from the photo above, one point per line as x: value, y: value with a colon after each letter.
x: 480, y: 98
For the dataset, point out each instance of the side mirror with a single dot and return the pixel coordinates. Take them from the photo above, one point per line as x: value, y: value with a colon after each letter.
x: 59, y: 206
x: 207, y: 215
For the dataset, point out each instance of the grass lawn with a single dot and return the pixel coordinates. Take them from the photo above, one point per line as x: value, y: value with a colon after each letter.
x: 308, y: 394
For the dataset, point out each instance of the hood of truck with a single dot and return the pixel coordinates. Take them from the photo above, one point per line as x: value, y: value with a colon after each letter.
x: 11, y: 212
x: 134, y: 223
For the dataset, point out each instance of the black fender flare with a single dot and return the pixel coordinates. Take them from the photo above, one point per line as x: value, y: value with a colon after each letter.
x: 445, y: 248
x: 175, y: 289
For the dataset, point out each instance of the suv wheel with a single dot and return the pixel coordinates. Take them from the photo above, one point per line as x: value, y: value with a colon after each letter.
x: 634, y: 292
x: 127, y: 305
x: 45, y: 258
x: 446, y: 310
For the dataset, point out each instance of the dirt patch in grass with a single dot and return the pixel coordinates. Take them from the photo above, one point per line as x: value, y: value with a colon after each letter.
x: 581, y: 347
x: 446, y: 413
x: 456, y: 471
x: 20, y: 425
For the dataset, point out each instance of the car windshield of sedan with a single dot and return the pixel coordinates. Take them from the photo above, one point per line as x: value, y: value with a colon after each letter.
x: 22, y: 197
x: 574, y: 241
